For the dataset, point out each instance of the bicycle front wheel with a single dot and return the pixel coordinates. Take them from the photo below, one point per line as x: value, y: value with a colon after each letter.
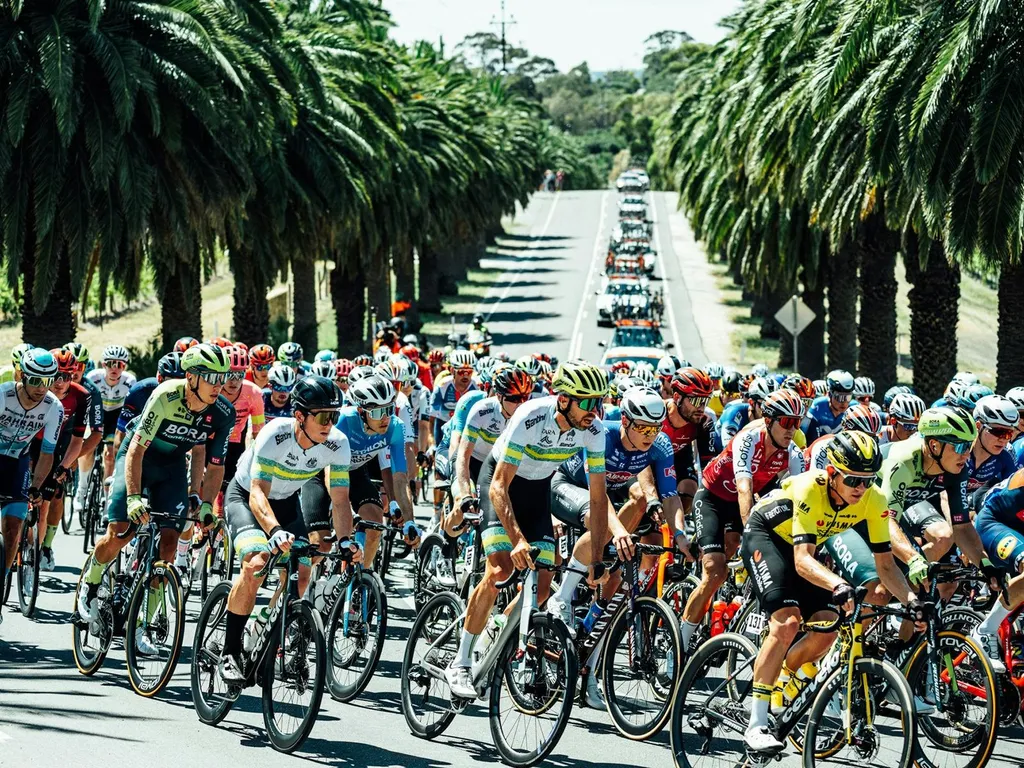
x: 293, y: 679
x: 711, y: 708
x: 209, y: 692
x: 433, y: 643
x: 880, y: 734
x: 69, y: 511
x: 355, y: 636
x: 961, y: 732
x: 154, y: 630
x: 532, y: 690
x: 28, y: 570
x: 641, y: 667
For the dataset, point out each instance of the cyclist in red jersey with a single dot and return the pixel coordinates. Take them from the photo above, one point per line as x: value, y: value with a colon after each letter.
x: 261, y: 360
x: 76, y: 401
x: 750, y: 464
x: 687, y: 423
x: 247, y: 399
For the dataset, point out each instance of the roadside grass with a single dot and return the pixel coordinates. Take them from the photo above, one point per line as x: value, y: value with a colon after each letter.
x: 976, y: 329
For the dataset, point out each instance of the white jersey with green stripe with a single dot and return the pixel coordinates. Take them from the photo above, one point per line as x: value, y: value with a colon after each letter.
x: 535, y: 444
x: 275, y: 457
x: 484, y: 426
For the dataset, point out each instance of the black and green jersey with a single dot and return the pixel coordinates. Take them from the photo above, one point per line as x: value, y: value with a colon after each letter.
x: 168, y: 429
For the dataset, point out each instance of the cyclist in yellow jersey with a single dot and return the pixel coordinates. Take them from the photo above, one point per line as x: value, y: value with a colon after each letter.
x: 727, y: 391
x: 782, y: 535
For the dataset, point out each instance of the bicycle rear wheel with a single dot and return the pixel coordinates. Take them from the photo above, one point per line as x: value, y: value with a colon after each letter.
x: 293, y: 678
x: 88, y: 648
x: 156, y: 611
x: 961, y: 733
x: 433, y: 643
x: 209, y: 692
x: 27, y: 564
x: 879, y: 736
x: 532, y: 691
x: 69, y: 511
x: 711, y: 708
x: 355, y: 636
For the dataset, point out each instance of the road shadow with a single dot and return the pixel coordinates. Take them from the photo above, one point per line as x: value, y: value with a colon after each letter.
x: 520, y: 337
x: 533, y: 237
x: 513, y: 299
x: 498, y: 256
x: 520, y: 316
x: 524, y: 283
x: 344, y: 753
x: 528, y: 247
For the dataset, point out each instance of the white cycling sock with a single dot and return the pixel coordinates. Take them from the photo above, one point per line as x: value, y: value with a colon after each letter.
x: 181, y: 556
x: 570, y: 580
x: 990, y: 625
x: 464, y: 659
x: 686, y: 630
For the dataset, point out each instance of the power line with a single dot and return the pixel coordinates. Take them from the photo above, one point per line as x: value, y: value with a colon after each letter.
x: 503, y: 23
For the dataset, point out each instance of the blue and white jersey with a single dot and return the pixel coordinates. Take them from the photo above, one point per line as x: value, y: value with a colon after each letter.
x: 820, y: 419
x: 271, y: 411
x: 457, y: 423
x: 135, y: 402
x: 18, y: 426
x: 389, y: 448
x: 735, y: 417
x: 621, y: 464
x: 1016, y: 449
x: 993, y: 470
x: 442, y: 404
x: 612, y: 413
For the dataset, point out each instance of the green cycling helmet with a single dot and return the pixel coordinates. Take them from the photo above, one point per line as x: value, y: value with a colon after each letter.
x: 948, y: 424
x: 205, y: 358
x: 79, y: 350
x: 17, y: 352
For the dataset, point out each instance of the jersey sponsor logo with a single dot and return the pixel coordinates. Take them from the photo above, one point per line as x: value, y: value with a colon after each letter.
x: 546, y: 440
x: 1005, y: 547
x: 843, y: 554
x: 762, y: 574
x: 150, y: 421
x: 311, y: 463
x: 331, y: 445
x: 278, y: 439
x: 172, y: 396
x: 531, y: 423
x: 670, y: 471
x: 185, y: 430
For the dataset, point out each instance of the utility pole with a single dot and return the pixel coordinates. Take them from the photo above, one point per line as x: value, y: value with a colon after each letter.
x: 503, y: 23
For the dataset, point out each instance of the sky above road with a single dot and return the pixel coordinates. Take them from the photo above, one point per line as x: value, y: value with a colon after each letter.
x: 607, y: 34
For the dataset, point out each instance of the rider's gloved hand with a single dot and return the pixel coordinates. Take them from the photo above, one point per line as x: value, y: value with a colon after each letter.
x: 280, y: 540
x: 410, y: 530
x: 917, y: 571
x: 996, y: 575
x: 193, y: 502
x: 842, y: 596
x: 206, y: 515
x: 137, y: 509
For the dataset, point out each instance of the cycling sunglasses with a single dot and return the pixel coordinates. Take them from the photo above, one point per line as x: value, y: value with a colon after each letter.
x: 700, y: 403
x: 856, y: 481
x: 236, y: 375
x: 840, y: 397
x: 342, y: 379
x: 647, y: 430
x: 62, y: 377
x: 469, y: 371
x: 216, y: 379
x: 788, y: 422
x: 588, y: 404
x: 515, y: 398
x: 118, y: 364
x: 908, y: 426
x: 263, y: 367
x: 37, y: 381
x: 280, y: 389
x: 1000, y: 433
x: 323, y: 418
x: 379, y: 413
x: 960, y: 446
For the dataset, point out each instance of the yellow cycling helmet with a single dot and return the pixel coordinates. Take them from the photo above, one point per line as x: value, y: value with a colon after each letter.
x: 854, y: 451
x: 578, y: 378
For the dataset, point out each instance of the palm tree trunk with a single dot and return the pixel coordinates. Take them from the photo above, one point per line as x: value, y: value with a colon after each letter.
x: 404, y: 264
x: 430, y: 279
x: 250, y: 316
x: 348, y: 295
x: 1010, y: 355
x: 766, y: 305
x: 842, y: 309
x: 378, y: 282
x: 877, y: 331
x: 52, y: 323
x: 934, y: 301
x: 181, y: 302
x: 304, y: 329
x: 452, y: 268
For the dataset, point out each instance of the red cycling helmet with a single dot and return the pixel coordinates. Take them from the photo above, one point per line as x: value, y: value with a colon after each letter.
x: 803, y: 386
x: 436, y: 356
x: 692, y: 382
x: 220, y: 341
x: 512, y: 382
x: 238, y: 358
x: 342, y: 368
x: 185, y: 342
x: 410, y: 351
x: 262, y: 354
x: 66, y: 360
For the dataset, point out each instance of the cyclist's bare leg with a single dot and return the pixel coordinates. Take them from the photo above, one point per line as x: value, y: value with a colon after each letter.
x: 715, y: 570
x: 108, y: 545
x: 373, y: 514
x: 813, y: 645
x: 629, y: 515
x: 482, y: 598
x: 783, y: 627
x: 108, y: 460
x: 242, y: 598
x: 12, y: 539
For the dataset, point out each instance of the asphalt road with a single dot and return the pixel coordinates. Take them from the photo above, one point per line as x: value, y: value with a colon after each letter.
x: 50, y: 715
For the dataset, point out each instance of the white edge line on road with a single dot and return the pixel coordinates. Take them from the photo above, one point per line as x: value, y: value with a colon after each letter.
x: 664, y: 276
x: 576, y: 340
x: 518, y: 262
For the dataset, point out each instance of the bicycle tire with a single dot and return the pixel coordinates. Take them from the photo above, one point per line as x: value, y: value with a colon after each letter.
x: 425, y: 585
x: 69, y: 513
x: 139, y: 602
x: 28, y: 564
x: 887, y: 677
x: 346, y: 691
x: 553, y: 636
x: 89, y: 661
x: 720, y: 651
x: 439, y: 618
x: 660, y: 620
x: 961, y: 619
x: 304, y: 621
x: 953, y: 702
x: 3, y: 570
x: 211, y: 705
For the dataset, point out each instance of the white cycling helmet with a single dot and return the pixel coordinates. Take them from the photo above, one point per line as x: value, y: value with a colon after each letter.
x: 530, y: 364
x: 408, y: 371
x: 714, y: 370
x: 996, y: 411
x: 839, y: 382
x: 326, y: 354
x: 863, y: 387
x: 545, y: 368
x: 668, y: 365
x: 372, y: 391
x: 382, y: 354
x: 38, y: 362
x: 461, y: 358
x: 643, y: 404
x: 760, y: 388
x: 820, y: 387
x: 906, y: 407
x: 760, y: 370
x: 323, y: 368
x: 644, y: 372
x: 360, y: 372
x: 967, y: 378
x: 862, y: 417
x: 282, y: 376
x: 115, y: 352
x: 1016, y: 396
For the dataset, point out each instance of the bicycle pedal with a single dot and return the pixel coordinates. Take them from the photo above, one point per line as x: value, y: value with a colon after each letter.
x: 459, y: 704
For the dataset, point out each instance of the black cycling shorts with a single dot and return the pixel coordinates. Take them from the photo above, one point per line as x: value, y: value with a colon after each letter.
x: 917, y: 518
x: 531, y: 505
x: 110, y: 425
x: 15, y: 479
x: 570, y: 503
x: 247, y: 537
x: 235, y: 451
x: 315, y: 501
x: 361, y: 489
x: 686, y: 467
x: 713, y: 517
x: 769, y: 561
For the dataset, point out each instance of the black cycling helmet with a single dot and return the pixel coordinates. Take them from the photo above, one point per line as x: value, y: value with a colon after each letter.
x: 854, y: 451
x: 316, y: 393
x: 169, y: 366
x: 477, y: 319
x: 731, y: 381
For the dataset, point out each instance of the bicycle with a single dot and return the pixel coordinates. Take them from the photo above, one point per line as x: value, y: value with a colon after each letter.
x: 25, y: 566
x: 92, y: 515
x: 122, y: 595
x: 841, y: 706
x: 357, y: 622
x: 214, y: 559
x: 288, y: 659
x: 427, y: 581
x: 529, y: 669
x: 68, y: 492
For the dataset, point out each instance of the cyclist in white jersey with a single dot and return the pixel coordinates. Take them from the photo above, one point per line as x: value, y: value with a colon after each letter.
x: 261, y: 503
x: 114, y: 383
x: 515, y: 494
x: 28, y: 409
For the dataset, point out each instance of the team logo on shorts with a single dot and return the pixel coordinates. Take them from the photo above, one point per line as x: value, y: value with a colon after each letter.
x: 1005, y: 547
